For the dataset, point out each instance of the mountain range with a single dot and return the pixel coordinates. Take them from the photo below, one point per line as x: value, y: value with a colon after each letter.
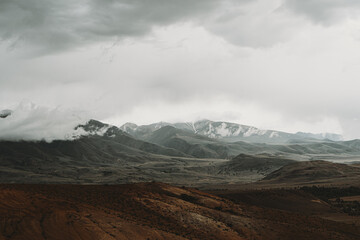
x: 106, y: 154
x: 300, y: 146
x: 230, y: 132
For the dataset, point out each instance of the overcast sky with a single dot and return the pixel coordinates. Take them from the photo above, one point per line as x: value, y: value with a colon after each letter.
x: 291, y: 65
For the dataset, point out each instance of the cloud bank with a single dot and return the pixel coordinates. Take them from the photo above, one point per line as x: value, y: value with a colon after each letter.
x: 35, y: 123
x: 295, y: 62
x: 53, y: 26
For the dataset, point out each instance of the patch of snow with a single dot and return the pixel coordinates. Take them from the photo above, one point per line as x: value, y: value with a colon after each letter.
x: 100, y: 131
x: 254, y: 131
x: 274, y: 134
x: 238, y: 131
x: 94, y: 131
x: 193, y: 126
x: 223, y: 130
x: 210, y: 133
x: 76, y: 134
x: 129, y: 126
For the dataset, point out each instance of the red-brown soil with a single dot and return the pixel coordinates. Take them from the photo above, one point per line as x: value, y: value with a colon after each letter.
x: 351, y: 198
x: 152, y: 211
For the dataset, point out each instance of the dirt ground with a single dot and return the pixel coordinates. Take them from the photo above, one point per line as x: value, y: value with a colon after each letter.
x: 160, y: 211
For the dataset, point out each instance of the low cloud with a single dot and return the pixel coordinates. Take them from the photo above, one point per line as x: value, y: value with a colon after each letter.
x: 35, y: 123
x: 53, y: 26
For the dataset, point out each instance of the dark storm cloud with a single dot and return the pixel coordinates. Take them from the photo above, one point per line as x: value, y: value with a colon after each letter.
x: 54, y: 25
x: 324, y: 11
x: 50, y: 25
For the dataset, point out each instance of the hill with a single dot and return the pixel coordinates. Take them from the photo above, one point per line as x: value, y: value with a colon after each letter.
x: 314, y: 172
x: 262, y: 164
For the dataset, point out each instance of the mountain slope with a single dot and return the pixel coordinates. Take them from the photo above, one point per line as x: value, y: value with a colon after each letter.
x: 113, y: 134
x: 205, y: 147
x: 104, y: 154
x: 188, y: 142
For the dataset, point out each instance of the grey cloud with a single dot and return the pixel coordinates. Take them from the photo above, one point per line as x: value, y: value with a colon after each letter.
x: 59, y: 25
x: 49, y: 26
x: 324, y: 11
x: 55, y: 25
x: 256, y: 24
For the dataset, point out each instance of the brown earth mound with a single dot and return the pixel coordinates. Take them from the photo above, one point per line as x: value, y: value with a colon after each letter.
x: 148, y: 211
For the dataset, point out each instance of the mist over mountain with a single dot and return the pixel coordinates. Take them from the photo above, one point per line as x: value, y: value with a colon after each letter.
x: 30, y: 122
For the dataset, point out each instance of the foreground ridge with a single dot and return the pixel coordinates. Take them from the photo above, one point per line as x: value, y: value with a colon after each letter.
x: 150, y: 211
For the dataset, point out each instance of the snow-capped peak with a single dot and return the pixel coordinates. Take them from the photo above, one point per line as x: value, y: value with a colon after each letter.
x: 227, y: 130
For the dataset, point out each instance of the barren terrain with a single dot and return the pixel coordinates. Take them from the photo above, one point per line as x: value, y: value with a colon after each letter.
x: 161, y: 211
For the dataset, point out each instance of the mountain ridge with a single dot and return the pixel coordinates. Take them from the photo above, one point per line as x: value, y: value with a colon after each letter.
x: 228, y: 131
